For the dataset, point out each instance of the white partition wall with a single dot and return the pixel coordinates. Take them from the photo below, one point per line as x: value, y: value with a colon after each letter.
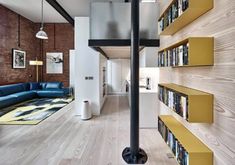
x: 87, y: 68
x: 72, y: 68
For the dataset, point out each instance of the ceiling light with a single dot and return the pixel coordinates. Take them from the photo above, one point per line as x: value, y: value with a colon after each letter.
x: 42, y: 34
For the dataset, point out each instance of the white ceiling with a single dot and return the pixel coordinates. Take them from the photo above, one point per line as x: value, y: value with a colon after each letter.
x: 117, y: 52
x: 31, y: 9
x: 114, y: 52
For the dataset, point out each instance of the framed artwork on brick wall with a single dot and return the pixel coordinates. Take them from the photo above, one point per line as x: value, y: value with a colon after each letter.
x: 54, y: 63
x: 18, y: 59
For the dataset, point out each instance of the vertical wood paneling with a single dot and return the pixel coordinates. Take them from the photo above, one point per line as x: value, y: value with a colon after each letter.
x: 218, y: 79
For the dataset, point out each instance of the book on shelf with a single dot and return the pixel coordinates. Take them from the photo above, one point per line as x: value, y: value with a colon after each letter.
x: 184, y: 107
x: 166, y: 22
x: 159, y: 27
x: 174, y: 11
x: 177, y: 56
x: 177, y: 149
x: 180, y: 56
x: 180, y: 11
x: 169, y: 14
x: 175, y: 101
x: 185, y: 53
x: 184, y: 5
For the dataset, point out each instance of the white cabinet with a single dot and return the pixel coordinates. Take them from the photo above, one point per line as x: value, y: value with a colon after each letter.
x: 149, y: 109
x: 118, y: 73
x: 148, y: 57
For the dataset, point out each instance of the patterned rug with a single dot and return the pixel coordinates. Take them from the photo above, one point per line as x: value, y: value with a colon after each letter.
x: 32, y: 112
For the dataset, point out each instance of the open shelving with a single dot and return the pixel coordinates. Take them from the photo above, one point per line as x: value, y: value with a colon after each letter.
x: 187, y: 148
x: 193, y: 105
x: 193, y: 10
x: 193, y: 51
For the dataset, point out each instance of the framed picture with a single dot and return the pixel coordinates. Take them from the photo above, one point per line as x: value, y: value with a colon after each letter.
x: 19, y: 59
x: 54, y: 63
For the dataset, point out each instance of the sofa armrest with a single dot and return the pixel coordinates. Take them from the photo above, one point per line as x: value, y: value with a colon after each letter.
x: 66, y: 91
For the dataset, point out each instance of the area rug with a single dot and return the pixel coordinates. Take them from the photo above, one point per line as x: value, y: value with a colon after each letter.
x: 32, y: 112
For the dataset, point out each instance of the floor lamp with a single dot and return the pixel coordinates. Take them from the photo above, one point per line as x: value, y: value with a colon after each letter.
x: 36, y: 63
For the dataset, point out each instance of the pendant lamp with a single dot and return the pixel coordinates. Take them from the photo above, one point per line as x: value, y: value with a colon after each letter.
x: 42, y: 34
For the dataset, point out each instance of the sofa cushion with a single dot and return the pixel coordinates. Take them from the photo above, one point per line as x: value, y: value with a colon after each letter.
x: 10, y: 89
x: 54, y: 85
x: 23, y: 96
x: 34, y: 85
x: 42, y: 85
x: 26, y: 86
x: 51, y: 93
x: 6, y: 101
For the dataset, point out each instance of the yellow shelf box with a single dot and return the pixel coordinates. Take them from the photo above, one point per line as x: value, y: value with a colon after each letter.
x: 193, y: 105
x: 186, y: 147
x: 193, y: 51
x: 195, y: 8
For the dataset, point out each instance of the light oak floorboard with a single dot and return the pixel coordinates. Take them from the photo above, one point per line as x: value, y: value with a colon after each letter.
x: 63, y: 139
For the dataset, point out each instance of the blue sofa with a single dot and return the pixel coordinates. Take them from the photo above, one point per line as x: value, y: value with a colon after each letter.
x: 16, y: 93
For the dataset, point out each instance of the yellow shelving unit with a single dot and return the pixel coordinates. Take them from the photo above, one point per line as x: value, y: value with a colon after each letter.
x: 200, y: 104
x: 200, y: 51
x: 195, y: 9
x: 198, y: 152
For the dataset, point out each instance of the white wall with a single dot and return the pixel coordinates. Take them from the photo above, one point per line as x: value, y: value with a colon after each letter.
x: 148, y: 57
x: 153, y: 73
x: 118, y: 73
x: 103, y: 64
x: 87, y: 65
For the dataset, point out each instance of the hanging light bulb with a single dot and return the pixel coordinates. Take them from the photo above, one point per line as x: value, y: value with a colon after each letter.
x: 41, y: 34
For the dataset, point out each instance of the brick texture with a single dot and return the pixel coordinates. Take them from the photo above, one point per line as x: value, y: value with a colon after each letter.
x: 9, y: 40
x: 61, y: 39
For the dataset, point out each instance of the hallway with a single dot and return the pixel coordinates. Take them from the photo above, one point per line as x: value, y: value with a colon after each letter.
x: 63, y: 139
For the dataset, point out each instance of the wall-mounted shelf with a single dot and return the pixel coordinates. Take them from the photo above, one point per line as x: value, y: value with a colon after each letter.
x: 193, y: 105
x: 186, y: 147
x: 195, y: 8
x: 193, y: 51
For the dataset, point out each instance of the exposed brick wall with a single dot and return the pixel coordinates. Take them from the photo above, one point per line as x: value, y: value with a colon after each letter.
x: 64, y: 41
x: 9, y: 39
x: 61, y: 39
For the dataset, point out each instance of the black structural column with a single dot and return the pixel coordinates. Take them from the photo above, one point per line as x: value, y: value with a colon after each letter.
x: 133, y: 154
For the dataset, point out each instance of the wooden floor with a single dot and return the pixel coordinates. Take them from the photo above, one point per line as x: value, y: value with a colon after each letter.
x: 63, y: 139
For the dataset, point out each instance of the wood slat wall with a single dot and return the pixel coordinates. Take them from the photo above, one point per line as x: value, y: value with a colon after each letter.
x: 218, y: 79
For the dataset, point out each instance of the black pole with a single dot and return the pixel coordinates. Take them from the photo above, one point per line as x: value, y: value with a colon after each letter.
x: 134, y: 155
x: 135, y: 42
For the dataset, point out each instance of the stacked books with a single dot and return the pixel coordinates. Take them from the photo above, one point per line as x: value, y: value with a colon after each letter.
x: 173, y: 12
x: 177, y: 56
x: 174, y: 100
x: 178, y: 150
